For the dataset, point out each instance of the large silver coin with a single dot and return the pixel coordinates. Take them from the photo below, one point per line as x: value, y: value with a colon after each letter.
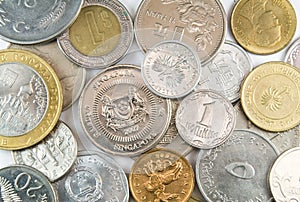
x: 205, y: 119
x: 284, y: 176
x: 236, y: 170
x: 33, y: 21
x: 71, y: 76
x: 94, y: 177
x: 293, y: 54
x: 23, y: 183
x: 120, y: 114
x: 171, y: 69
x: 54, y: 156
x: 225, y: 73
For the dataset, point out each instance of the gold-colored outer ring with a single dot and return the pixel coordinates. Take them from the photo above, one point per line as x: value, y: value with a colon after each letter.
x: 55, y: 99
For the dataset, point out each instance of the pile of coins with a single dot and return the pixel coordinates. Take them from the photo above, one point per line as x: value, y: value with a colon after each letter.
x: 194, y: 121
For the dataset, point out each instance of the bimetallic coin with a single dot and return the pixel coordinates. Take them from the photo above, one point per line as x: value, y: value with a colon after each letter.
x: 263, y: 27
x: 30, y: 99
x: 32, y: 21
x: 94, y: 177
x: 226, y: 71
x: 284, y: 176
x: 200, y: 24
x: 292, y: 57
x: 273, y: 106
x: 71, y: 76
x: 53, y: 156
x: 100, y: 36
x: 171, y: 69
x: 23, y: 183
x: 205, y: 119
x: 236, y: 170
x: 161, y: 175
x: 120, y: 114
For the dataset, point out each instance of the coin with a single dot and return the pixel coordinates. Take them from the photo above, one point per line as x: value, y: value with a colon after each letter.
x: 94, y: 177
x: 284, y: 176
x: 32, y: 21
x: 161, y: 175
x: 23, y: 183
x: 200, y: 24
x: 273, y: 106
x: 236, y: 170
x: 205, y: 119
x: 100, y: 36
x: 263, y: 27
x: 71, y: 76
x: 53, y: 156
x: 171, y: 69
x: 119, y: 113
x: 292, y: 55
x: 30, y: 99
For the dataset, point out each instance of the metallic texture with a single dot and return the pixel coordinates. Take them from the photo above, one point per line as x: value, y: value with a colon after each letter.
x: 292, y: 56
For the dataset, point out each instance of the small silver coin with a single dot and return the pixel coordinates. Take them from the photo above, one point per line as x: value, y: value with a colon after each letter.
x: 236, y: 170
x: 53, y: 156
x: 293, y: 54
x: 32, y: 21
x: 23, y: 183
x: 94, y: 177
x: 205, y: 119
x: 120, y: 115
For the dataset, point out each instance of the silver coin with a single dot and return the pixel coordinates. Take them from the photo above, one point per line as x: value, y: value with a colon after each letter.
x: 171, y: 69
x: 120, y: 114
x: 23, y: 99
x: 23, y: 183
x: 94, y: 177
x: 32, y: 21
x: 293, y: 54
x: 236, y: 170
x: 226, y: 71
x: 53, y: 156
x: 284, y: 176
x: 205, y: 119
x: 108, y: 48
x: 71, y: 76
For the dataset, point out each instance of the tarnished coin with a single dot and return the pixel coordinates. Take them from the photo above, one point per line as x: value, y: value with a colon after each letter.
x: 23, y: 183
x: 284, y: 176
x: 30, y: 99
x: 264, y: 26
x: 53, y: 156
x: 205, y: 119
x: 225, y: 73
x: 236, y: 170
x: 120, y: 114
x: 292, y: 56
x: 270, y: 96
x: 100, y: 36
x: 32, y: 21
x: 171, y: 69
x: 161, y: 175
x: 94, y: 177
x: 200, y: 24
x: 71, y: 76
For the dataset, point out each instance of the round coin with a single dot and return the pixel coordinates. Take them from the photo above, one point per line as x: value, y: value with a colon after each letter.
x: 32, y: 21
x: 292, y: 57
x: 205, y: 119
x: 23, y: 183
x: 30, y: 99
x: 100, y: 36
x: 200, y: 24
x: 236, y: 170
x: 263, y: 27
x: 53, y: 156
x: 161, y: 175
x: 272, y: 106
x: 171, y: 69
x: 120, y: 114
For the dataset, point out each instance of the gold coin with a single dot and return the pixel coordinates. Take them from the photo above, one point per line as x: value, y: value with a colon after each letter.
x: 263, y: 26
x: 30, y: 99
x: 270, y: 96
x: 161, y: 175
